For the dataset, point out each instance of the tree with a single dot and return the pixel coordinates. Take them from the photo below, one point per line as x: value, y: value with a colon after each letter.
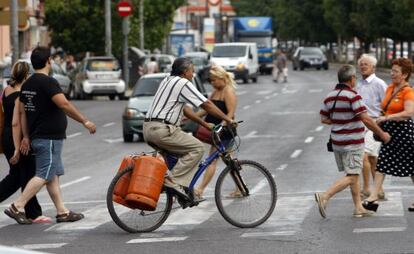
x: 79, y: 25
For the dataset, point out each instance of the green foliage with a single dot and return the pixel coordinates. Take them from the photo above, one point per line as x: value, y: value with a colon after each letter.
x: 79, y: 25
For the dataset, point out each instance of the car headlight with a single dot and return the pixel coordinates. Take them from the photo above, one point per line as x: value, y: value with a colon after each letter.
x: 240, y: 67
x: 133, y: 113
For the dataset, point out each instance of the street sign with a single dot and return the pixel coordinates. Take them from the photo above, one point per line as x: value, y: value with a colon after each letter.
x: 124, y: 9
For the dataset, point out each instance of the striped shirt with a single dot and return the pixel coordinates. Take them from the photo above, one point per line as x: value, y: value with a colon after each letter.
x: 372, y: 91
x: 347, y: 130
x: 173, y: 93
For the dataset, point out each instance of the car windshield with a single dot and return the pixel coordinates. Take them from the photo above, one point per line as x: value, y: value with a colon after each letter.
x: 103, y: 65
x: 198, y: 61
x: 229, y: 51
x: 311, y: 51
x: 147, y: 86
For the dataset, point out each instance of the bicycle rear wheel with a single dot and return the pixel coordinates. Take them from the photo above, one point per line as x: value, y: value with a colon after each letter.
x: 253, y: 208
x: 135, y: 220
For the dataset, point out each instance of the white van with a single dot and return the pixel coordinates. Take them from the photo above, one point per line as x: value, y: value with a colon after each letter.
x: 239, y: 58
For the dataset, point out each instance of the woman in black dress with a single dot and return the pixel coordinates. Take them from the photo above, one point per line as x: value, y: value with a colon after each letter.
x: 224, y: 97
x: 22, y: 168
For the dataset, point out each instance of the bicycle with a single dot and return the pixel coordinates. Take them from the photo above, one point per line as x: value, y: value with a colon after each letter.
x: 253, y: 182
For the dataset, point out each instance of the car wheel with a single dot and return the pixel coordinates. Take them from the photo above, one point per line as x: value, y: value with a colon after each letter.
x: 112, y: 97
x: 326, y: 67
x: 121, y: 96
x: 254, y: 80
x: 302, y: 67
x: 128, y: 137
x: 318, y: 68
x: 245, y: 81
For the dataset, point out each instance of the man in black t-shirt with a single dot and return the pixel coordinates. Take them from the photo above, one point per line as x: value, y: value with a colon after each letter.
x: 43, y: 109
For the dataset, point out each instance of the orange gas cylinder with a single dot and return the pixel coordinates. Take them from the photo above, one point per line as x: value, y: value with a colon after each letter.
x: 146, y: 182
x: 121, y: 188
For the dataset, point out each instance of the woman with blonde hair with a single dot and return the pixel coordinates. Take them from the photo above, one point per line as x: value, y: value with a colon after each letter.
x: 224, y: 97
x: 22, y: 167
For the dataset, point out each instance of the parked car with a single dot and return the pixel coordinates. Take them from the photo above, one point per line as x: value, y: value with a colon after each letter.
x: 56, y: 72
x: 98, y: 76
x: 60, y: 75
x: 164, y: 61
x: 309, y: 57
x: 201, y: 64
x: 140, y: 100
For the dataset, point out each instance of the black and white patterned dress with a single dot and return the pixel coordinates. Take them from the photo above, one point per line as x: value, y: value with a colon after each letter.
x: 397, y: 157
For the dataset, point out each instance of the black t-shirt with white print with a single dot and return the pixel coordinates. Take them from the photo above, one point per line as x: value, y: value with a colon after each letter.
x: 44, y: 118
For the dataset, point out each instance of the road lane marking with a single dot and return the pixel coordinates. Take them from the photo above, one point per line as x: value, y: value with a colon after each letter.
x: 393, y: 207
x: 263, y: 92
x: 75, y: 181
x: 286, y: 91
x: 275, y: 94
x: 296, y: 153
x: 258, y: 101
x: 246, y: 107
x: 94, y: 217
x: 74, y: 135
x: 282, y: 167
x: 283, y: 113
x: 319, y: 128
x: 264, y: 234
x: 39, y: 246
x: 241, y: 92
x: 268, y: 97
x: 315, y: 90
x: 108, y: 124
x: 160, y: 239
x: 379, y: 230
x: 308, y: 139
x: 116, y: 140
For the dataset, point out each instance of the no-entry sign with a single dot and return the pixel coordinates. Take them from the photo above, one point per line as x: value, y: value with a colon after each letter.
x: 124, y: 9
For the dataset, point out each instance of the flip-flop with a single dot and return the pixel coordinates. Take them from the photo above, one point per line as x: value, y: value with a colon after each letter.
x: 366, y: 213
x: 320, y: 205
x: 411, y: 208
x: 42, y: 219
x: 19, y: 217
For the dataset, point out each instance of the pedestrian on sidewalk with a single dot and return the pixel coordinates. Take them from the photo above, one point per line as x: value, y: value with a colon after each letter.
x: 43, y: 108
x: 372, y: 90
x: 22, y: 168
x: 344, y: 110
x: 396, y: 157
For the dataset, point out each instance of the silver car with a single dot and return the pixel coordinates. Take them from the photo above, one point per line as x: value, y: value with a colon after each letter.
x: 98, y: 76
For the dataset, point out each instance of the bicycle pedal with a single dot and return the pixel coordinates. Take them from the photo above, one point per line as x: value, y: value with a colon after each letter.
x: 183, y: 203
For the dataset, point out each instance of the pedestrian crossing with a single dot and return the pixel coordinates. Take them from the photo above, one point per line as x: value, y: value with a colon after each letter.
x: 287, y: 220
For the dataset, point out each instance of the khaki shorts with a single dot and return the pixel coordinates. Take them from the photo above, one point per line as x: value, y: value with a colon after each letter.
x: 350, y: 162
x: 372, y: 147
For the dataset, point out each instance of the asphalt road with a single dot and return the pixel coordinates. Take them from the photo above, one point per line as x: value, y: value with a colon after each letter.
x: 281, y: 130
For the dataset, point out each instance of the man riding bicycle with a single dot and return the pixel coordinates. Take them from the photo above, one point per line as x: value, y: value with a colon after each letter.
x: 161, y: 127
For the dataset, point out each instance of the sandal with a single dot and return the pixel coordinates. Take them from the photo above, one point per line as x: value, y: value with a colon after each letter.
x: 411, y: 208
x: 370, y: 205
x: 69, y: 217
x: 19, y: 217
x: 42, y: 219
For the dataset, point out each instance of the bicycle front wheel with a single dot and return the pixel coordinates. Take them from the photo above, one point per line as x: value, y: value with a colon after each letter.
x: 136, y: 220
x: 250, y: 209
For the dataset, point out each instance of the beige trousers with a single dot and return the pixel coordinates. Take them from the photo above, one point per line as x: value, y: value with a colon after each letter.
x: 172, y: 139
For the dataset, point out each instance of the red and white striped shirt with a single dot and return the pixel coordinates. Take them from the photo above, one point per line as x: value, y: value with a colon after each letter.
x: 347, y: 130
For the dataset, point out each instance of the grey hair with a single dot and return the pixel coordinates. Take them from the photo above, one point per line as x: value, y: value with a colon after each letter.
x: 371, y: 59
x: 180, y: 65
x: 345, y: 73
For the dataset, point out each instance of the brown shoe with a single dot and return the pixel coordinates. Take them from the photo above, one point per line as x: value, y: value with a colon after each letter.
x: 19, y: 217
x: 69, y: 217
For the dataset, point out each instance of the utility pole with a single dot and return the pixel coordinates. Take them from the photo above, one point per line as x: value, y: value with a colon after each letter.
x: 108, y: 29
x: 125, y: 31
x: 141, y: 24
x: 14, y: 32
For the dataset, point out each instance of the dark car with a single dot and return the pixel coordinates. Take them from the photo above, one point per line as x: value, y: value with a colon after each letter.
x: 201, y: 64
x: 309, y: 57
x: 140, y: 100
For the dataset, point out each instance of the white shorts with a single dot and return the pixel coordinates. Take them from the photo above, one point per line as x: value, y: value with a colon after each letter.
x: 372, y: 147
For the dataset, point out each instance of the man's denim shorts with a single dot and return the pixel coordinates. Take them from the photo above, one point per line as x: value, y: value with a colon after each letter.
x: 48, y: 153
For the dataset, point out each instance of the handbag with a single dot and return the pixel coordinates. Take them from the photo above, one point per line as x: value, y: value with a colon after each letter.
x: 381, y: 125
x: 203, y: 134
x: 329, y: 144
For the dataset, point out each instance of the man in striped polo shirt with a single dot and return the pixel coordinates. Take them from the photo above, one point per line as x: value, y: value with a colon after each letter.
x: 344, y: 110
x: 161, y: 126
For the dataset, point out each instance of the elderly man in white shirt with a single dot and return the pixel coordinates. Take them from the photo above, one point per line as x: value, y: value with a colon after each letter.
x: 372, y: 90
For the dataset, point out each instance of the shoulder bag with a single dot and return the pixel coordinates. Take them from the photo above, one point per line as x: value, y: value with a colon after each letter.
x: 329, y: 144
